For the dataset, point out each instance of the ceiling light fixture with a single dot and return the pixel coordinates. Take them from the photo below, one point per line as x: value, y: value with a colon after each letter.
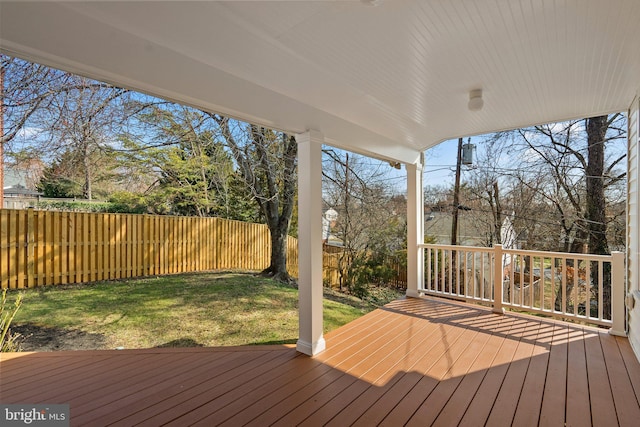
x: 475, y: 100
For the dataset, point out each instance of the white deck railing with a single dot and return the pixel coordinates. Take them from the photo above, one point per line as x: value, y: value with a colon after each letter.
x: 584, y: 287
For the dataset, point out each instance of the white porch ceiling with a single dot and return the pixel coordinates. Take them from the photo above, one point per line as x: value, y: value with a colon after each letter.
x: 389, y: 81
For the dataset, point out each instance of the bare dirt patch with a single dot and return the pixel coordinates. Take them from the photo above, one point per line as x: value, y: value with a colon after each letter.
x: 38, y: 338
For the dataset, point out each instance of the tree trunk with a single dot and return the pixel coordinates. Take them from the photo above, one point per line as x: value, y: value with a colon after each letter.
x: 497, y: 215
x: 278, y: 265
x: 592, y: 232
x: 596, y: 203
x: 86, y: 188
x: 580, y: 238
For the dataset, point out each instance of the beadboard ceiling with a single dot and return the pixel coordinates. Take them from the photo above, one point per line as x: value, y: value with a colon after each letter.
x: 386, y: 78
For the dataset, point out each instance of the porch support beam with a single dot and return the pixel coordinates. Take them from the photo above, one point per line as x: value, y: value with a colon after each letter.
x: 415, y: 228
x: 310, y: 339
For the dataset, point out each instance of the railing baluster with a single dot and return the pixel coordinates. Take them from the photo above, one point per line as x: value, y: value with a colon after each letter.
x: 564, y: 286
x: 587, y: 278
x: 520, y: 274
x: 435, y: 269
x: 458, y: 267
x: 513, y: 260
x: 530, y: 283
x: 443, y: 276
x: 600, y: 291
x: 436, y: 272
x: 543, y: 260
x: 483, y: 275
x: 428, y: 277
x: 554, y: 296
x: 466, y: 274
x: 576, y: 285
x: 498, y: 283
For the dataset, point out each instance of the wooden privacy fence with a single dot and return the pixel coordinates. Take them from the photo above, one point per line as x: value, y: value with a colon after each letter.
x: 39, y: 248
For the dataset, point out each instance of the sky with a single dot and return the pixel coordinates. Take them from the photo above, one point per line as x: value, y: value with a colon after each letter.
x: 440, y: 166
x: 440, y: 163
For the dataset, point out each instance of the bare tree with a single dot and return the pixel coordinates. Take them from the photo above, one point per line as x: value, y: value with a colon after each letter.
x: 568, y: 169
x: 84, y: 120
x: 579, y: 169
x: 25, y: 89
x: 267, y: 162
x: 60, y: 112
x: 371, y: 221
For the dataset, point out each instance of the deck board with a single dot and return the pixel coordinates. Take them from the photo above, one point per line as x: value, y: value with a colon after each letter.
x: 554, y: 395
x: 624, y: 397
x: 415, y: 361
x: 630, y: 362
x: 601, y: 399
x: 578, y: 410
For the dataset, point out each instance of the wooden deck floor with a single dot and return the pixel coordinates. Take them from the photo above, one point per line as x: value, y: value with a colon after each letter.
x: 415, y: 362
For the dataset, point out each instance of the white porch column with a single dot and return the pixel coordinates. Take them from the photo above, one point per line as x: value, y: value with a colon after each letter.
x: 310, y: 340
x: 415, y: 228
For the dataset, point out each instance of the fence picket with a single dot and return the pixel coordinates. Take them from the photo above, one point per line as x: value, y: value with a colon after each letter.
x: 30, y: 252
x: 19, y: 244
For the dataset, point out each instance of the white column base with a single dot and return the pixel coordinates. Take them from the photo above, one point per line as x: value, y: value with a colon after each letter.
x: 311, y: 349
x: 413, y: 293
x: 617, y: 333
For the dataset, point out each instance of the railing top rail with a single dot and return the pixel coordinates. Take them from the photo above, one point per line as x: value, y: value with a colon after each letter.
x: 572, y: 255
x: 456, y: 247
x: 586, y: 257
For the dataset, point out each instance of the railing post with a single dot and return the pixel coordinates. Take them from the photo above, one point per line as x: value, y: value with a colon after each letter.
x: 497, y: 279
x: 618, y: 313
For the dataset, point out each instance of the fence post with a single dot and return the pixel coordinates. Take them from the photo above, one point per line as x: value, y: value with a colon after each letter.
x: 497, y: 279
x: 617, y: 295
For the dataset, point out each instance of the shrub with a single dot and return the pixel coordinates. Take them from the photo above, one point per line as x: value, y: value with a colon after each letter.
x: 8, y: 341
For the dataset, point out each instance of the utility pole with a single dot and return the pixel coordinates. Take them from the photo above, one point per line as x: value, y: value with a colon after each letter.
x: 454, y: 222
x: 456, y: 196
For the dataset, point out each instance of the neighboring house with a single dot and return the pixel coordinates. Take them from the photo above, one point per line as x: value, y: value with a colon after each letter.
x: 19, y: 190
x: 470, y: 231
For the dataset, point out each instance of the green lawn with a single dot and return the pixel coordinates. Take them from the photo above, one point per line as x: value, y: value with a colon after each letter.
x: 207, y: 309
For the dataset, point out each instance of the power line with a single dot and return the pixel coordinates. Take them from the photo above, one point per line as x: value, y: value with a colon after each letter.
x: 538, y: 221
